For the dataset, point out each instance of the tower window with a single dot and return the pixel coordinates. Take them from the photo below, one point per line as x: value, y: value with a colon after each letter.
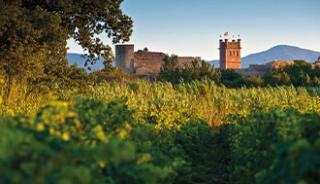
x: 230, y: 53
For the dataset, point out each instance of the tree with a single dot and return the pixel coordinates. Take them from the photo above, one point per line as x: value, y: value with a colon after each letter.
x: 230, y: 78
x: 32, y: 32
x: 253, y: 81
x: 206, y: 70
x: 298, y: 71
x: 316, y: 81
x: 171, y: 63
x: 308, y: 80
x: 85, y: 19
x: 170, y: 70
x: 196, y: 70
x: 277, y: 78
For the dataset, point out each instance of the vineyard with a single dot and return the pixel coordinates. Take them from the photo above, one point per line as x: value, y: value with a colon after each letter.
x: 142, y: 132
x: 128, y: 116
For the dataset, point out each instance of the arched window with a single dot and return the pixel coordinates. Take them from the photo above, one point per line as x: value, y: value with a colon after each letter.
x: 230, y: 53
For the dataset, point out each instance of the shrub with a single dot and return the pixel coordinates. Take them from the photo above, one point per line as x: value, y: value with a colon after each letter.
x: 70, y: 142
x: 273, y: 147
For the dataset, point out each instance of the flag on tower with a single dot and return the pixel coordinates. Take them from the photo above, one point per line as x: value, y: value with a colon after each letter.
x: 226, y: 34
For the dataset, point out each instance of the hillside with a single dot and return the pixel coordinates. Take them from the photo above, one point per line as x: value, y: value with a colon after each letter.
x: 280, y: 52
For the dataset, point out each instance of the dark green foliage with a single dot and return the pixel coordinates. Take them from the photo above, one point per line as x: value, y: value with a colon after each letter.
x: 275, y: 79
x: 97, y: 141
x: 28, y: 159
x: 197, y: 142
x: 113, y: 117
x: 197, y: 70
x: 34, y: 34
x: 230, y: 78
x: 300, y: 73
x: 253, y: 81
x: 170, y: 69
x: 275, y: 147
x: 92, y: 141
x: 191, y: 147
x: 42, y: 22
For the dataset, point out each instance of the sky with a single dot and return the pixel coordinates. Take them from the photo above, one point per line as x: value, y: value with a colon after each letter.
x: 193, y: 27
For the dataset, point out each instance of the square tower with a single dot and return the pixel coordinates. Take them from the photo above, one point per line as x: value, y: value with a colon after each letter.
x: 230, y: 54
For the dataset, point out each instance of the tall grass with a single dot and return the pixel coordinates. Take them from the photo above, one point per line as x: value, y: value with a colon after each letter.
x: 164, y: 103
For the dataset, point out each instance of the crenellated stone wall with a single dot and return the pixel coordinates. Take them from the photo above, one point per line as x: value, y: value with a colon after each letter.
x: 148, y: 63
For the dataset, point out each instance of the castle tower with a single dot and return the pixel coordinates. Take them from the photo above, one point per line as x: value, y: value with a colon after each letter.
x: 125, y: 57
x: 230, y: 54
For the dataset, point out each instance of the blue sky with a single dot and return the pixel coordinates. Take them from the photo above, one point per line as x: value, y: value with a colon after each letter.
x: 192, y: 27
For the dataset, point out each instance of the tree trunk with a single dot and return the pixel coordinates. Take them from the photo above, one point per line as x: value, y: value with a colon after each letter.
x: 7, y: 91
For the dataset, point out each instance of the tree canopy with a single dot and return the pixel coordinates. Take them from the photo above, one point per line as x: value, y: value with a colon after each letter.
x: 196, y: 70
x: 34, y: 33
x: 38, y: 24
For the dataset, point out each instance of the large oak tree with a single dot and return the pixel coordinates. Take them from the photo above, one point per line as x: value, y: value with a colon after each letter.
x: 33, y: 33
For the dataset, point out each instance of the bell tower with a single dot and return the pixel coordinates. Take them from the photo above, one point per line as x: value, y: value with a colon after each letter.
x: 230, y: 53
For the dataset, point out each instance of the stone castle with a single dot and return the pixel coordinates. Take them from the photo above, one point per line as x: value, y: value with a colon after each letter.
x: 144, y: 62
x: 147, y: 63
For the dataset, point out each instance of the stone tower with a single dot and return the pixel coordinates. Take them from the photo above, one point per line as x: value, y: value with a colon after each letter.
x: 125, y: 58
x: 230, y: 54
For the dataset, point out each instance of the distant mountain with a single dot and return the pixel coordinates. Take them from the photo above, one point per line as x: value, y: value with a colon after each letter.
x: 80, y: 60
x: 280, y: 52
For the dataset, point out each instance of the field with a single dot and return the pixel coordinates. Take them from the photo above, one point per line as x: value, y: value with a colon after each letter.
x: 142, y: 132
x: 84, y: 101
